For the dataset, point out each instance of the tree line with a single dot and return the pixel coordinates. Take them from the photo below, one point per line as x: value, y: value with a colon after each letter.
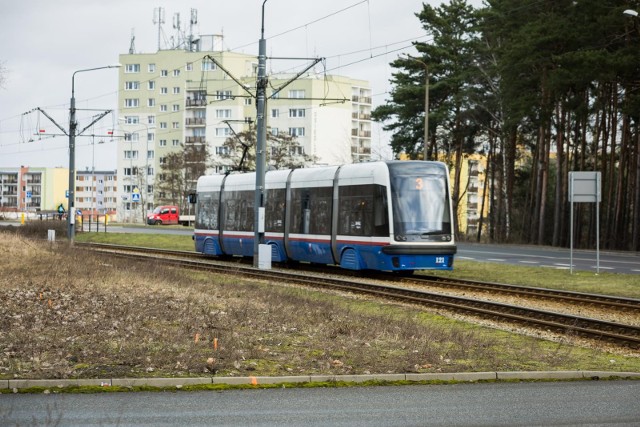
x: 541, y: 87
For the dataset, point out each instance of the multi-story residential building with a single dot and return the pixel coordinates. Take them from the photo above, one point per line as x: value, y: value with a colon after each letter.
x: 173, y: 98
x: 96, y: 192
x: 32, y: 188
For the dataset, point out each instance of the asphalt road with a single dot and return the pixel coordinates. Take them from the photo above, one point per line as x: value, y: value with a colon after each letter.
x: 558, y: 258
x: 583, y: 403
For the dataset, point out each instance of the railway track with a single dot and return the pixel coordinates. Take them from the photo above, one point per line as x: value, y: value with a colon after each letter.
x: 611, y: 332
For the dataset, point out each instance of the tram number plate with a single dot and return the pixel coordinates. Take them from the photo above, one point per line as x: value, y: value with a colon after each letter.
x: 439, y: 260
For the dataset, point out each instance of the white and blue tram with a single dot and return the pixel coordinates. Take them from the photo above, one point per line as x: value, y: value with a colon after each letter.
x: 394, y: 215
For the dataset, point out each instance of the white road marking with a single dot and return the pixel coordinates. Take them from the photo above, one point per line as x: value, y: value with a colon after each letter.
x: 496, y: 259
x: 529, y: 262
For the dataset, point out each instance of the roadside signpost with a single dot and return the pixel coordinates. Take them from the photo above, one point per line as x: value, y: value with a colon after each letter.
x: 586, y: 187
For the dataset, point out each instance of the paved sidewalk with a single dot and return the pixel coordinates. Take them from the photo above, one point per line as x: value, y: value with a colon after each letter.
x: 17, y: 384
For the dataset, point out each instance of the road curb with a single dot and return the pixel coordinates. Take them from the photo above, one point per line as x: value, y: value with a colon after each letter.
x: 18, y: 384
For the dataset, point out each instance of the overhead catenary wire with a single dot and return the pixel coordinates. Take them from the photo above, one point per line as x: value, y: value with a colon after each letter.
x: 371, y: 49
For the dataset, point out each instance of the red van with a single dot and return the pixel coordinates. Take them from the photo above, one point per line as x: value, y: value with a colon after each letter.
x: 164, y: 215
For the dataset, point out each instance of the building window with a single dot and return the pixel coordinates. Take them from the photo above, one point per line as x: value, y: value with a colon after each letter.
x: 164, y: 90
x: 131, y: 154
x: 151, y: 120
x: 131, y: 103
x: 132, y: 68
x: 164, y: 73
x: 223, y: 114
x: 176, y: 90
x: 131, y: 85
x: 163, y: 125
x: 296, y: 93
x: 151, y: 85
x: 222, y: 151
x: 163, y: 108
x: 208, y: 65
x: 296, y: 131
x: 176, y: 72
x: 131, y: 120
x: 296, y: 112
x: 247, y: 101
x: 175, y: 125
x: 275, y: 113
x: 175, y: 142
x: 189, y: 66
x: 223, y: 94
x: 132, y: 137
x: 151, y: 68
x: 176, y: 108
x: 274, y: 131
x: 150, y: 154
x: 151, y: 102
x: 163, y: 143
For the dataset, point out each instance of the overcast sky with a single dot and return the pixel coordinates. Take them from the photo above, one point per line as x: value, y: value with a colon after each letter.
x: 44, y: 42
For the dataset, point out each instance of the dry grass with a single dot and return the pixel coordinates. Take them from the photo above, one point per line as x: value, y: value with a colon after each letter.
x: 72, y: 314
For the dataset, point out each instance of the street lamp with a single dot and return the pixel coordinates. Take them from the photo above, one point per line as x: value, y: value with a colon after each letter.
x: 72, y: 151
x: 634, y: 244
x: 426, y: 103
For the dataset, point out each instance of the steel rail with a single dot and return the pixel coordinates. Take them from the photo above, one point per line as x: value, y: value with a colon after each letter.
x: 626, y: 335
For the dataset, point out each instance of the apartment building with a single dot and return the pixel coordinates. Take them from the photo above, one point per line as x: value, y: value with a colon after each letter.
x: 172, y: 98
x: 35, y: 189
x: 96, y: 192
x: 32, y: 189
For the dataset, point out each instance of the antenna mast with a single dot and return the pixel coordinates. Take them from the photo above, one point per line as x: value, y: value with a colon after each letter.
x: 192, y: 22
x: 132, y: 46
x: 158, y: 18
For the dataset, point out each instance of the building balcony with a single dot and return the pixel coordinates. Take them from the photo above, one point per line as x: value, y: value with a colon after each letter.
x: 361, y: 99
x: 195, y: 139
x: 361, y: 134
x: 361, y: 116
x: 196, y: 102
x: 196, y: 121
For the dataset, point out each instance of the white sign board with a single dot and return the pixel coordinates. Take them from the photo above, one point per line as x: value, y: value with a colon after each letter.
x: 584, y: 187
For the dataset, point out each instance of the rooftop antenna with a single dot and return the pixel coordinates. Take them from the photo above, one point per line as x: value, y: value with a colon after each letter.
x: 193, y: 21
x: 158, y: 18
x: 176, y: 26
x: 132, y: 46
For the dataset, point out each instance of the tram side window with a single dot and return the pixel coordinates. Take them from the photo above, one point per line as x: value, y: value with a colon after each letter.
x: 274, y: 210
x: 207, y: 208
x: 362, y: 210
x: 311, y: 210
x: 238, y: 210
